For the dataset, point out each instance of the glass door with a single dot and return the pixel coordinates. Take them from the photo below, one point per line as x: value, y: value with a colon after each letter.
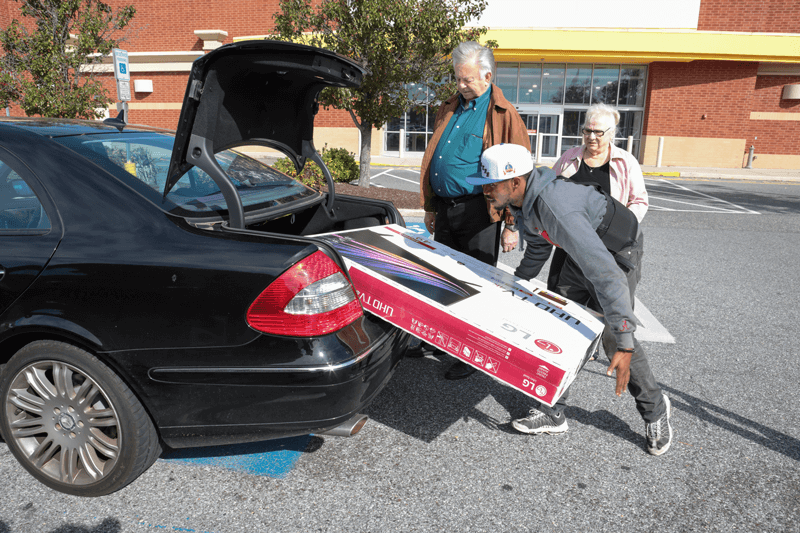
x: 549, y: 126
x: 544, y: 125
x: 412, y: 130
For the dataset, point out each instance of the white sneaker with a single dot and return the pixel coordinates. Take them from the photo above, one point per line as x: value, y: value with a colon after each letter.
x: 659, y: 433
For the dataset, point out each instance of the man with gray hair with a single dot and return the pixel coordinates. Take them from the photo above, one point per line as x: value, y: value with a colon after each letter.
x: 467, y: 123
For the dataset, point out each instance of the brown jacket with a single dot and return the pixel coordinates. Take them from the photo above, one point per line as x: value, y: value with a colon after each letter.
x: 503, y: 125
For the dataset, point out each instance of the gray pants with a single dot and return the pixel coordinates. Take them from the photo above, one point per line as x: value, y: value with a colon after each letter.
x: 642, y: 385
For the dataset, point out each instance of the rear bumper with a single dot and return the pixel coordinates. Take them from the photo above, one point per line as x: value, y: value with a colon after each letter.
x: 202, y: 405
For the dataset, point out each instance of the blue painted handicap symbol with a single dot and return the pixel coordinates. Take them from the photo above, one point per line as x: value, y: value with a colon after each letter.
x: 122, y: 68
x: 273, y: 458
x: 417, y: 228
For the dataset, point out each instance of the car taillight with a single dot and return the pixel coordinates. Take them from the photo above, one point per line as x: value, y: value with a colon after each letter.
x: 314, y: 297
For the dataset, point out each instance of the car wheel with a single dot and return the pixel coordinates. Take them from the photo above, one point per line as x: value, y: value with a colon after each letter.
x: 72, y: 423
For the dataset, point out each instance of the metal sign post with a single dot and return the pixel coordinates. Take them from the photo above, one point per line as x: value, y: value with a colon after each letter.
x: 123, y: 76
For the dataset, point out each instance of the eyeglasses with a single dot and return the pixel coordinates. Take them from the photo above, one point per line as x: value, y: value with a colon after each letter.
x: 597, y: 133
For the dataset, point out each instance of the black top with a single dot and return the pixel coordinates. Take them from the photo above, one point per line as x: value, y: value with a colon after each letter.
x: 600, y: 175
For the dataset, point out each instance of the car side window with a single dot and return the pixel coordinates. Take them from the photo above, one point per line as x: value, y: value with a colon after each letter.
x: 20, y: 208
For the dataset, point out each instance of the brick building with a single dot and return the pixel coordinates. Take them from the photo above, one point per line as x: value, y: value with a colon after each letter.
x: 704, y: 79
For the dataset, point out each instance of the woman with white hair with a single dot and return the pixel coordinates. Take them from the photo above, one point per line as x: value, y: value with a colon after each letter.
x: 599, y: 161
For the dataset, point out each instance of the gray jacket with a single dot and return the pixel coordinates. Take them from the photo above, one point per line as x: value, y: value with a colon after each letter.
x: 570, y: 214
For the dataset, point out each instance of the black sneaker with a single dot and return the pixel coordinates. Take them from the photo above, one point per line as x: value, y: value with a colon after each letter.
x: 538, y: 422
x: 659, y: 433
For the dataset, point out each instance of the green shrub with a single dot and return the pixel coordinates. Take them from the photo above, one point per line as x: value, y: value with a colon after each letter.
x: 341, y: 163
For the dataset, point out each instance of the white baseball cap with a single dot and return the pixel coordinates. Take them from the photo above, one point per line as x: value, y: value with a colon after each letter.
x: 502, y: 162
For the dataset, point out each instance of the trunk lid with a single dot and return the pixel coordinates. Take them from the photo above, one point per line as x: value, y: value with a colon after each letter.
x: 254, y: 93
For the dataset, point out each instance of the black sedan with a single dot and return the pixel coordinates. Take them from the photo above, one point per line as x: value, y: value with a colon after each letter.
x: 161, y: 289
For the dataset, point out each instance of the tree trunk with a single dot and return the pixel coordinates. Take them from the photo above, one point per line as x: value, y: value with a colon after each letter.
x: 366, y: 156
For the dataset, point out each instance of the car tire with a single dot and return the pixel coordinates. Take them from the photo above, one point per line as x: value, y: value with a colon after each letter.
x: 71, y: 422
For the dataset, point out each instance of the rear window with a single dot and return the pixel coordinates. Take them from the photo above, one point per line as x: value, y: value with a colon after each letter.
x: 142, y: 160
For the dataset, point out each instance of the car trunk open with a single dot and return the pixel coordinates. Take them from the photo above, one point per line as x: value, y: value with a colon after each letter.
x: 256, y: 93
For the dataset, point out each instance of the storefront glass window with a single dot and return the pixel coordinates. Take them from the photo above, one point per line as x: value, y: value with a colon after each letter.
x: 604, y: 84
x: 530, y: 83
x: 553, y: 84
x: 393, y: 128
x: 392, y: 142
x: 630, y: 123
x: 631, y: 86
x: 573, y: 122
x: 551, y: 97
x: 415, y: 125
x: 416, y: 129
x: 571, y: 134
x: 507, y: 79
x: 578, y: 85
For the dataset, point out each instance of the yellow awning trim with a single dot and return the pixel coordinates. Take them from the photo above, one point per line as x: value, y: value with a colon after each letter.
x: 641, y: 46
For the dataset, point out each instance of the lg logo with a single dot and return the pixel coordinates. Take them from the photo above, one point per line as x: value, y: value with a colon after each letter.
x: 547, y: 346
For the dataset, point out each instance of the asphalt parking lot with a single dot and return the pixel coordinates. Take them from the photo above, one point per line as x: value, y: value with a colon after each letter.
x: 719, y: 277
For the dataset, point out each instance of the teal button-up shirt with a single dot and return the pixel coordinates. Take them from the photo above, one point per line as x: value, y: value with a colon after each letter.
x: 458, y: 153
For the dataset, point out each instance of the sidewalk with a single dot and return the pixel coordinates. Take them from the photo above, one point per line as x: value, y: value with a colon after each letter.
x: 757, y: 174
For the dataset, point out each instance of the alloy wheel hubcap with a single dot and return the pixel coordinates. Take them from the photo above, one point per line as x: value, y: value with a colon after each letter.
x: 63, y: 422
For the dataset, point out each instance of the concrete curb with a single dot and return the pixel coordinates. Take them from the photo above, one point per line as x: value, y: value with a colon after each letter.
x: 374, y: 164
x: 663, y: 174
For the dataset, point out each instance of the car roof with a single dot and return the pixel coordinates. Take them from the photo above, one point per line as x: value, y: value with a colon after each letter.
x: 63, y: 127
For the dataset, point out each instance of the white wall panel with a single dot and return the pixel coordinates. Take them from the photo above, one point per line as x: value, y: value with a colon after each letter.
x: 639, y: 14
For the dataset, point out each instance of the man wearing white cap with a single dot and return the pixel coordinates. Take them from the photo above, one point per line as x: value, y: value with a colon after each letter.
x: 591, y: 228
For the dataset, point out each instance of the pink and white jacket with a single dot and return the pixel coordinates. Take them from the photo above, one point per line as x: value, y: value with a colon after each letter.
x: 627, y: 182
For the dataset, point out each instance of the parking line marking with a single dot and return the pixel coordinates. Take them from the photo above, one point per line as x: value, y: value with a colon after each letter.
x: 702, y: 208
x: 715, y: 198
x: 404, y: 179
x: 712, y: 208
x: 650, y: 329
x: 382, y: 173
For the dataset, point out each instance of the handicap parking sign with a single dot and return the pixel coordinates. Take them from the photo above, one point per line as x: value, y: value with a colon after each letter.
x: 121, y: 64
